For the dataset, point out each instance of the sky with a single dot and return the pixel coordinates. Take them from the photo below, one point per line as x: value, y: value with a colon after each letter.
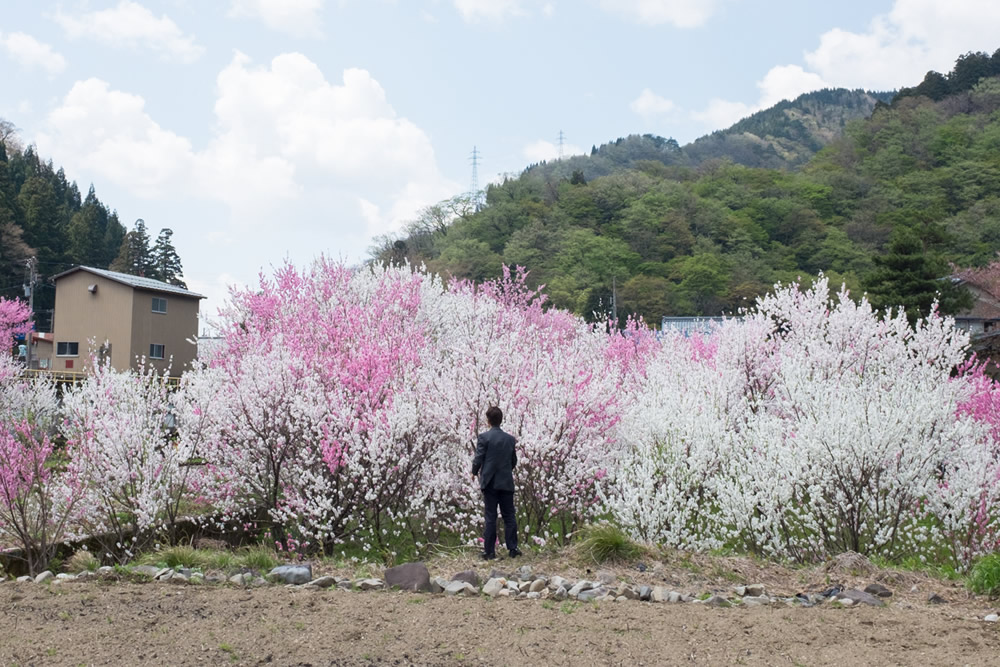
x: 262, y: 131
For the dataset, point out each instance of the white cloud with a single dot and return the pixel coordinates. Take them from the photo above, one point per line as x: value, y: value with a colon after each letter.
x: 680, y: 13
x: 29, y: 52
x: 898, y: 48
x: 283, y: 132
x: 722, y: 113
x: 489, y: 10
x: 649, y: 105
x: 541, y: 150
x: 295, y: 17
x: 132, y: 25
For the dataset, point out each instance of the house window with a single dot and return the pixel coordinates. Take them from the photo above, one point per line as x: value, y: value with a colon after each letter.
x: 159, y: 305
x: 155, y: 351
x: 67, y: 349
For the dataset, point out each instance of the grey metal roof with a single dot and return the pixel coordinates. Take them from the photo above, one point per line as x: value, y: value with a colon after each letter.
x: 137, y: 282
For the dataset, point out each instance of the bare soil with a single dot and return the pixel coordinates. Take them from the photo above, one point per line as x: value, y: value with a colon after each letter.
x: 121, y: 623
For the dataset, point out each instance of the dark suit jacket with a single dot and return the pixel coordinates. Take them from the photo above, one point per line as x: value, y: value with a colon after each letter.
x: 496, y: 458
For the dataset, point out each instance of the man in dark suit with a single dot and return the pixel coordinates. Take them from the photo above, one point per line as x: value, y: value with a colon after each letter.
x: 494, y: 464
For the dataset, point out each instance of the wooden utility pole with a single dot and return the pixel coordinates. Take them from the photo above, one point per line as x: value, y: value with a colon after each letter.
x: 29, y: 291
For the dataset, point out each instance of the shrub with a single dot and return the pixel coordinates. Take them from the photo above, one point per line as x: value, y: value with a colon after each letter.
x: 607, y: 542
x: 985, y: 576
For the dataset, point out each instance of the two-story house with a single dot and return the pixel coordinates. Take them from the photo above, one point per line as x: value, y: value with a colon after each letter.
x: 119, y: 318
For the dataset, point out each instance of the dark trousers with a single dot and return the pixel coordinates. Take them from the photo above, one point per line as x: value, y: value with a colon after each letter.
x: 505, y: 499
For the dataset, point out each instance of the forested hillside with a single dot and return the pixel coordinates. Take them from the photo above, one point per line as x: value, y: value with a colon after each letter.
x: 43, y: 215
x: 884, y: 207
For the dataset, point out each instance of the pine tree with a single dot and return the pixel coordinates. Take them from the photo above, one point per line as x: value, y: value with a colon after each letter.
x: 166, y: 261
x: 134, y: 256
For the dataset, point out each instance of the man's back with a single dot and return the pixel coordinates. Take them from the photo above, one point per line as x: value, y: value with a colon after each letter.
x: 496, y: 459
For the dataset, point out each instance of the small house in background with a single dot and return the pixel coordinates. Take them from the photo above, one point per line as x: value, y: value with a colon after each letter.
x: 984, y: 316
x: 124, y: 317
x: 687, y: 326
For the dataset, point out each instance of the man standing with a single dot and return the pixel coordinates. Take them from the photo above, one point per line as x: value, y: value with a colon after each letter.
x: 496, y: 458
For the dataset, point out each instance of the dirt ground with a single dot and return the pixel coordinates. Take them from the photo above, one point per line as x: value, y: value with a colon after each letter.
x: 119, y: 623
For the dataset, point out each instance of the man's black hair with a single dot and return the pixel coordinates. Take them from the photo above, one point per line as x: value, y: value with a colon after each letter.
x: 494, y: 416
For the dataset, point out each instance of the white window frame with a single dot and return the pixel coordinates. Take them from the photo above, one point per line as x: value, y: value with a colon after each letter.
x: 67, y: 344
x: 159, y: 298
x: 152, y: 350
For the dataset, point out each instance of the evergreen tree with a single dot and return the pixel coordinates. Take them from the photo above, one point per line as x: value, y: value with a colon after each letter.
x: 166, y: 261
x: 134, y: 256
x: 911, y: 278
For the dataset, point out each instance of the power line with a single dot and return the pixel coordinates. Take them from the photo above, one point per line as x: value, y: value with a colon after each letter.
x: 474, y: 186
x: 562, y: 138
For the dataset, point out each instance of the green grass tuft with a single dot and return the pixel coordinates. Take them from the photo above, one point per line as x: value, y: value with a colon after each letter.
x: 259, y: 558
x: 985, y: 576
x: 605, y: 542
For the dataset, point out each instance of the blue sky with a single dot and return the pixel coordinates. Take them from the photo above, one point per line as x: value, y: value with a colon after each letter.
x: 260, y: 130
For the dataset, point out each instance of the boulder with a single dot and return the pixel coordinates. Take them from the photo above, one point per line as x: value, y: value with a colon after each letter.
x: 717, y: 601
x: 557, y: 582
x: 537, y: 586
x: 468, y: 576
x: 591, y: 594
x: 460, y: 588
x: 369, y: 584
x: 438, y: 584
x: 408, y: 577
x: 645, y: 593
x: 325, y: 582
x: 560, y: 593
x: 493, y: 587
x: 755, y: 590
x: 291, y: 574
x: 44, y: 576
x: 580, y: 587
x: 859, y: 597
x: 878, y: 590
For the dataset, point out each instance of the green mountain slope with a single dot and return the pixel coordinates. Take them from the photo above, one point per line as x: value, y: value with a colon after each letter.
x: 884, y: 207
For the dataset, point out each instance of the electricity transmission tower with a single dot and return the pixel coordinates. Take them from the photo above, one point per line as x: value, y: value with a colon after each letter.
x: 474, y: 191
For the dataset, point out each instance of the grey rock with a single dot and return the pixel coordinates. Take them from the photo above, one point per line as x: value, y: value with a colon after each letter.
x: 580, y: 587
x: 44, y: 576
x: 62, y: 576
x: 505, y: 593
x: 408, y: 577
x: 740, y: 591
x: 756, y: 600
x: 627, y: 592
x: 991, y: 618
x: 521, y: 596
x: 934, y: 598
x: 371, y: 584
x: 345, y: 585
x: 179, y: 578
x: 847, y: 602
x: 240, y: 579
x: 859, y: 597
x: 621, y: 598
x: 590, y: 594
x: 658, y: 594
x: 438, y: 584
x: 645, y: 593
x: 717, y: 601
x: 523, y: 586
x: 164, y: 574
x: 259, y: 582
x: 914, y: 589
x: 326, y: 582
x: 674, y: 597
x: 755, y: 590
x: 557, y: 582
x: 878, y: 590
x: 537, y: 586
x: 292, y: 574
x: 493, y: 587
x: 560, y: 593
x: 513, y: 586
x: 468, y: 576
x: 105, y: 571
x: 524, y: 573
x: 606, y: 578
x: 145, y: 570
x: 24, y: 579
x: 460, y: 588
x: 534, y: 595
x: 215, y: 578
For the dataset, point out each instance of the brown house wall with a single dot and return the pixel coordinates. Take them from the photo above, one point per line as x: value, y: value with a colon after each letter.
x: 171, y: 329
x: 81, y: 315
x: 124, y: 317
